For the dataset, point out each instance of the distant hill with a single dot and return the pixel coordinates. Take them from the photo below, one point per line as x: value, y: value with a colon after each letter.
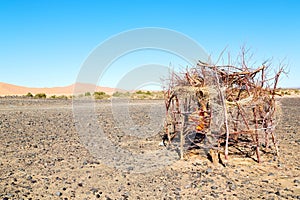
x: 81, y: 88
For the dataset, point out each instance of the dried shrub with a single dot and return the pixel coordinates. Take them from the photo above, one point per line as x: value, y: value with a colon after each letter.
x: 214, y: 107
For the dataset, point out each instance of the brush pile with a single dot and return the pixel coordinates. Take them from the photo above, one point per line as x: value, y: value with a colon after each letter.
x: 221, y: 108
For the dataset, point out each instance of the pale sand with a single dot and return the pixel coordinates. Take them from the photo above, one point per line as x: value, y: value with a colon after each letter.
x: 10, y: 89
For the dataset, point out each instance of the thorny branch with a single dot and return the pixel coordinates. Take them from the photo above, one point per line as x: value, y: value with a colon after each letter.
x: 245, y: 96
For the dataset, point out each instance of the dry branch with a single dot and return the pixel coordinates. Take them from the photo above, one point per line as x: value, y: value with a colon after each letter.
x: 222, y: 106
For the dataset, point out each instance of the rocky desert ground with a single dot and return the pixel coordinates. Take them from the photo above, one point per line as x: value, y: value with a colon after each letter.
x: 42, y: 156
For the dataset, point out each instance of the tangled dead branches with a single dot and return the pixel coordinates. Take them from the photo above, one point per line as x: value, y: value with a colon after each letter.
x: 213, y: 106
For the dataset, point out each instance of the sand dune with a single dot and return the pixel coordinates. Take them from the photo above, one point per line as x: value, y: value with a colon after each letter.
x: 77, y: 88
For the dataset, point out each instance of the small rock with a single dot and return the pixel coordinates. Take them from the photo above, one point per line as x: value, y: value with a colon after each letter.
x: 277, y: 193
x: 296, y: 181
x: 80, y: 184
x: 60, y: 159
x: 58, y: 194
x: 130, y: 168
x: 208, y: 170
x: 246, y: 182
x: 177, y: 198
x: 271, y: 174
x: 214, y: 195
x: 196, y: 163
x: 210, y: 180
x: 231, y: 185
x: 214, y: 187
x: 125, y: 195
x: 94, y: 190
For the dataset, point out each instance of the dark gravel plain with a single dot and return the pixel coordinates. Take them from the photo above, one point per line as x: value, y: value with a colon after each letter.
x: 43, y: 157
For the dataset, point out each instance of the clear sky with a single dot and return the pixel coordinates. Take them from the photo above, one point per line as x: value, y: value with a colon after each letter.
x: 44, y: 43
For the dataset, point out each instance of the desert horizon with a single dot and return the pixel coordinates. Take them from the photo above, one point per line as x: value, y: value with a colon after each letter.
x: 8, y: 89
x: 12, y: 89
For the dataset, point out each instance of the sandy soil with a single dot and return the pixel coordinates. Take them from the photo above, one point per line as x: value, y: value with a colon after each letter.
x: 81, y: 88
x: 43, y: 157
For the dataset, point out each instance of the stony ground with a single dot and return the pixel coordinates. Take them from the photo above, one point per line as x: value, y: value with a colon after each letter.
x: 42, y: 156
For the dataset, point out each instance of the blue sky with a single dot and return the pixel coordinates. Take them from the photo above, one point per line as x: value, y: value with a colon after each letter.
x: 44, y: 43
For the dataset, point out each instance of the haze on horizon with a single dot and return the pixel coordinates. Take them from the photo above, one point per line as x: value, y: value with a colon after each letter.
x: 44, y: 43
